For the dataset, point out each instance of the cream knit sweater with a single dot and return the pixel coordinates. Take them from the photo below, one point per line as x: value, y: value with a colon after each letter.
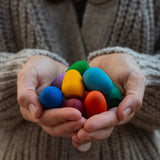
x: 38, y: 27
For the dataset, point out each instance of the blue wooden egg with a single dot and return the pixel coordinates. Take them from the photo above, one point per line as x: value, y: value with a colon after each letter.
x: 96, y: 79
x: 51, y: 97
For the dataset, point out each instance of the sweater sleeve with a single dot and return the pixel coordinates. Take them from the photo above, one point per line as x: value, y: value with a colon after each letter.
x: 148, y: 117
x: 10, y: 65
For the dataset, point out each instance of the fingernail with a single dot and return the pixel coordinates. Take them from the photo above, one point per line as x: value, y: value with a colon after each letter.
x: 86, y: 137
x: 126, y: 113
x: 76, y: 128
x: 32, y: 109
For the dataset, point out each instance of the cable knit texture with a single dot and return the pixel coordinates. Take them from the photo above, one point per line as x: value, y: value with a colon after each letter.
x: 39, y: 27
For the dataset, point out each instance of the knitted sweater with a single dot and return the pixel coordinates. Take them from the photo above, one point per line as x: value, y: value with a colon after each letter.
x: 39, y: 27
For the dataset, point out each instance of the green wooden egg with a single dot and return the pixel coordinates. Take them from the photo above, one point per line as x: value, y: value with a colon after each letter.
x: 114, y: 97
x: 81, y: 66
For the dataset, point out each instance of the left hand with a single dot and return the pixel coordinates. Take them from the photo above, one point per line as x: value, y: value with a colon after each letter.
x: 127, y: 76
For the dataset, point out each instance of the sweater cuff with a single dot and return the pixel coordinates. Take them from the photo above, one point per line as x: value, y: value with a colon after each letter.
x: 28, y: 53
x: 109, y: 50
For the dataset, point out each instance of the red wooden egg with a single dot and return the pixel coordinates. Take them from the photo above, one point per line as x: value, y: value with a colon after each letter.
x: 95, y: 103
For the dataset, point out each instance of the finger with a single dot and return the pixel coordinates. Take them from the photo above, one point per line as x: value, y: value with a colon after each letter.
x: 97, y: 135
x: 129, y: 105
x: 56, y: 116
x: 30, y: 101
x: 105, y: 120
x: 26, y: 94
x: 27, y: 115
x: 102, y: 121
x: 132, y: 102
x: 66, y: 129
x: 77, y: 142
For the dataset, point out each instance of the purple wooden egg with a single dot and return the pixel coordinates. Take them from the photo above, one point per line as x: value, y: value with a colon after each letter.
x: 75, y: 103
x: 58, y: 81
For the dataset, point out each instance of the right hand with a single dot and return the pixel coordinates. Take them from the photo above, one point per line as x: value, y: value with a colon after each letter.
x: 38, y: 73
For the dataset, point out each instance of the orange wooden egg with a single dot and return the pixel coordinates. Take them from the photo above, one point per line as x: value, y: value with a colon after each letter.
x: 95, y: 103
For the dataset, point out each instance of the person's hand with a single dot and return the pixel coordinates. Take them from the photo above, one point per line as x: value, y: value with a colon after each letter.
x: 127, y: 76
x: 38, y: 73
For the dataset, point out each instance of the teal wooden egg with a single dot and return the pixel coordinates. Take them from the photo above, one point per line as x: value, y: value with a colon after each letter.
x: 96, y: 79
x: 114, y: 97
x: 80, y: 66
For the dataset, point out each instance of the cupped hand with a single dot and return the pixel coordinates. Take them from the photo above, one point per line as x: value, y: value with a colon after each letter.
x: 127, y: 76
x: 38, y: 73
x: 98, y: 127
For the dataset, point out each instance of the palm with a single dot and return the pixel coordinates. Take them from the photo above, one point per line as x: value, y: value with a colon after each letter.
x: 44, y: 71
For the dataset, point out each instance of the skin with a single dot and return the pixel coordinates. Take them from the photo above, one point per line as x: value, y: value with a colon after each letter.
x: 36, y: 74
x: 40, y: 71
x: 125, y: 73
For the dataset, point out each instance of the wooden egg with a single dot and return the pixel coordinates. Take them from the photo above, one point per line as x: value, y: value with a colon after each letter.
x: 85, y: 94
x: 80, y: 66
x: 95, y: 103
x: 75, y: 103
x: 72, y: 85
x: 51, y: 97
x: 114, y: 97
x: 58, y: 81
x: 96, y: 79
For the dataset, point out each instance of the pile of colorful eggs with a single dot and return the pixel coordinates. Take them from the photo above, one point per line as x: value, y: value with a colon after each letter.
x: 88, y: 89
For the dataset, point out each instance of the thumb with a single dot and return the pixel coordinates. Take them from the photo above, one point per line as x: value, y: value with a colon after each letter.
x: 132, y: 102
x: 27, y: 98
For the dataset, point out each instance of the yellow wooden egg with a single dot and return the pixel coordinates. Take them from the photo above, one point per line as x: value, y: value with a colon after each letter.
x: 72, y: 85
